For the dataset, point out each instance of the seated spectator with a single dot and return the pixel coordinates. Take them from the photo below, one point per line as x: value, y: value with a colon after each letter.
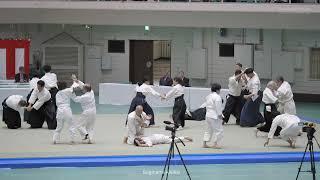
x: 21, y: 77
x: 166, y: 80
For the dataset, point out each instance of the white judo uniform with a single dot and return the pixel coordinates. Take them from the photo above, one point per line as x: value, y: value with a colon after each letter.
x: 87, y: 119
x: 135, y: 126
x: 13, y: 101
x: 50, y: 80
x: 155, y: 139
x: 33, y: 82
x: 213, y: 106
x: 285, y: 98
x: 289, y: 125
x: 41, y: 98
x: 64, y: 113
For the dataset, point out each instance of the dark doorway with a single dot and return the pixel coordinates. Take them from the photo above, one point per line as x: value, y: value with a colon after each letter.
x: 141, y: 61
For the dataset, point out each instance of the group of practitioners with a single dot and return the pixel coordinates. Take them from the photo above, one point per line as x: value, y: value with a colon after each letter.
x: 49, y: 101
x: 243, y: 102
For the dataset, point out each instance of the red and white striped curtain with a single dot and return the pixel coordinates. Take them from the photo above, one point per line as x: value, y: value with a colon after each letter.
x: 13, y: 54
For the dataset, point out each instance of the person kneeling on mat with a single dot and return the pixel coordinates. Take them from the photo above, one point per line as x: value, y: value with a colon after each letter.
x: 12, y: 107
x: 290, y: 128
x: 41, y: 108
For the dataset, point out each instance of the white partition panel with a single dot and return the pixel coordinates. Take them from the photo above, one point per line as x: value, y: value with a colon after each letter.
x: 122, y: 94
x: 3, y: 59
x: 19, y: 55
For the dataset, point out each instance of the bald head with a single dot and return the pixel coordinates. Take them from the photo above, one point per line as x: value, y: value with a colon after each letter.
x: 272, y: 85
x: 139, y: 110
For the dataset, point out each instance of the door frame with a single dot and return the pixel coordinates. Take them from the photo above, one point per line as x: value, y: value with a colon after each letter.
x: 131, y: 55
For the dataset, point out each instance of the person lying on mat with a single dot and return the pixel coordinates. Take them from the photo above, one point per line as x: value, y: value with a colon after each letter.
x: 154, y: 139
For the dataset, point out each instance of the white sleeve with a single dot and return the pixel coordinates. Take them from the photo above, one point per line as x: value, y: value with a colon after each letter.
x: 205, y: 104
x: 255, y: 88
x: 270, y: 96
x: 55, y: 80
x: 273, y: 128
x: 78, y: 99
x: 152, y: 91
x: 41, y: 101
x: 33, y: 96
x: 148, y: 142
x: 144, y: 117
x: 218, y: 104
x: 131, y: 131
x: 171, y: 92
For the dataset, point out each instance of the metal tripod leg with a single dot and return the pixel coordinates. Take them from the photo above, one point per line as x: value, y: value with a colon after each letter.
x: 304, y: 154
x: 166, y: 168
x: 312, y: 162
x: 185, y: 167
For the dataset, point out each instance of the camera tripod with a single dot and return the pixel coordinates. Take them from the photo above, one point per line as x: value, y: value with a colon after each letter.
x: 166, y: 169
x: 312, y: 159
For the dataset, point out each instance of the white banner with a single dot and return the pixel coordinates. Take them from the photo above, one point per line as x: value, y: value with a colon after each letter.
x: 3, y: 62
x: 19, y: 59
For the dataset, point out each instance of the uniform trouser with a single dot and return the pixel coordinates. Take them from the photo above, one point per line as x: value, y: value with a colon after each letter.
x: 64, y: 115
x: 290, y: 132
x: 179, y: 110
x: 85, y: 124
x: 11, y: 117
x: 232, y: 107
x: 214, y: 127
x: 288, y: 107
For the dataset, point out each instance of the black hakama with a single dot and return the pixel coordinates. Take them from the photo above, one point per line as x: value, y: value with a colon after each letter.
x: 179, y: 110
x: 197, y: 115
x: 268, y: 117
x: 233, y: 106
x: 10, y: 116
x: 250, y: 114
x: 140, y: 99
x: 47, y: 112
x: 53, y: 92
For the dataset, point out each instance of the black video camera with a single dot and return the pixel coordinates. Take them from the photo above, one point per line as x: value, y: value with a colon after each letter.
x: 171, y: 128
x: 309, y: 128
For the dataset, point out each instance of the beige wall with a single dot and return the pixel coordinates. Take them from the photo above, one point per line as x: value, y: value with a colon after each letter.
x: 183, y: 39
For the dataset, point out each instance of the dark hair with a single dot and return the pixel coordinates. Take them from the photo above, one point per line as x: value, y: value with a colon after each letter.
x: 62, y: 85
x: 145, y: 79
x: 87, y: 87
x: 178, y: 80
x: 280, y: 78
x: 135, y: 142
x: 47, y: 68
x: 40, y: 83
x: 139, y: 83
x: 238, y: 71
x: 36, y: 75
x: 215, y: 87
x: 21, y: 68
x: 22, y: 103
x: 239, y: 64
x: 248, y: 71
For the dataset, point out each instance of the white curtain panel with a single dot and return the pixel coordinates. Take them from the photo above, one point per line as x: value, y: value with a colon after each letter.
x: 19, y: 58
x: 3, y: 63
